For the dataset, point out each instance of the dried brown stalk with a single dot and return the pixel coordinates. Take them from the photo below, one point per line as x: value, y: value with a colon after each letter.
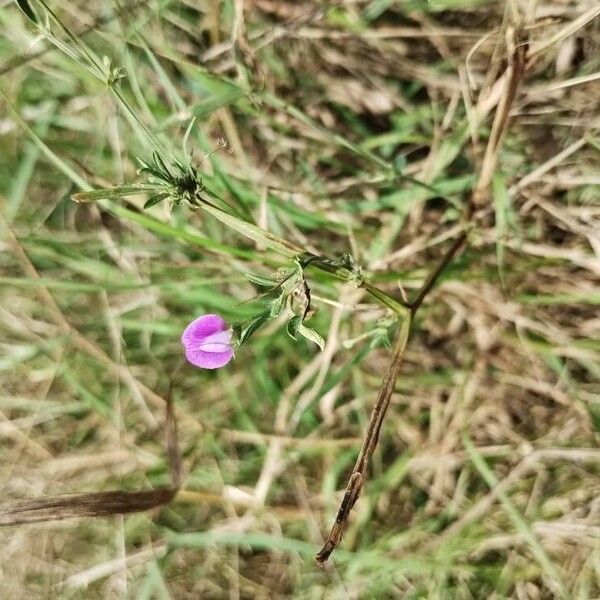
x: 101, y: 504
x: 359, y: 472
x: 513, y: 75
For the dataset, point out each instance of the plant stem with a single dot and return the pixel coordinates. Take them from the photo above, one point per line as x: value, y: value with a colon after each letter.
x: 514, y: 74
x: 433, y: 276
x: 359, y: 473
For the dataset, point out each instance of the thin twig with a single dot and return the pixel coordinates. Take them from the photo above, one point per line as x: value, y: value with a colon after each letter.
x: 433, y: 277
x: 101, y: 504
x: 359, y: 472
x: 513, y: 75
x: 20, y: 60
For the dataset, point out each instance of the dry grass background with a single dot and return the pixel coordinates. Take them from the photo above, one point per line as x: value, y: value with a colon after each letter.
x: 486, y: 481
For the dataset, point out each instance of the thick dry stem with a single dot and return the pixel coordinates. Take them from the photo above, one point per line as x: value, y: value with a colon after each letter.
x: 359, y: 472
x: 514, y: 73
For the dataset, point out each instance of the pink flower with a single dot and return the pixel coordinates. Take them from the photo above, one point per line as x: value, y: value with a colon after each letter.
x: 207, y: 342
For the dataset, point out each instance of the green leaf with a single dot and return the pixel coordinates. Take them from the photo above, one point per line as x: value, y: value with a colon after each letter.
x: 311, y: 335
x: 110, y: 193
x: 293, y: 325
x: 261, y: 281
x: 160, y: 163
x: 253, y: 326
x: 154, y: 200
x: 28, y: 10
x: 258, y: 235
x: 186, y: 136
x: 208, y: 105
x: 277, y: 306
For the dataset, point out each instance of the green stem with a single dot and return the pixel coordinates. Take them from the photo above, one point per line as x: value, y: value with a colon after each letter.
x: 291, y: 251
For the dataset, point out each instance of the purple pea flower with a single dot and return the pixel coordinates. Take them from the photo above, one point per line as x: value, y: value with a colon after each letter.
x: 207, y: 342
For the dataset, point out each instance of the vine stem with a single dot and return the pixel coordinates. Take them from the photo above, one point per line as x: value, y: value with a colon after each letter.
x: 359, y: 473
x: 513, y: 74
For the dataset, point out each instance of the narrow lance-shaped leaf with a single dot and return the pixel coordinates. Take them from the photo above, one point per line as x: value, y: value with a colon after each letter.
x: 277, y: 306
x: 186, y: 136
x: 155, y: 200
x: 261, y: 281
x: 111, y: 193
x: 312, y: 335
x: 27, y: 9
x: 293, y: 326
x: 253, y: 232
x: 253, y: 325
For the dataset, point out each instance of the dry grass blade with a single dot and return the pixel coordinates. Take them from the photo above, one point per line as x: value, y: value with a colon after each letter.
x: 101, y: 504
x: 390, y: 153
x: 93, y: 504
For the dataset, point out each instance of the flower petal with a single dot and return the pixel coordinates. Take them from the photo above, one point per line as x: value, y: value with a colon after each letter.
x: 217, y: 342
x: 201, y: 328
x: 207, y: 342
x: 208, y: 360
x: 214, y: 348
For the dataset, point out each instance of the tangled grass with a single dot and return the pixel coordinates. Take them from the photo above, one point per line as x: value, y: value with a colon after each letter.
x: 373, y: 135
